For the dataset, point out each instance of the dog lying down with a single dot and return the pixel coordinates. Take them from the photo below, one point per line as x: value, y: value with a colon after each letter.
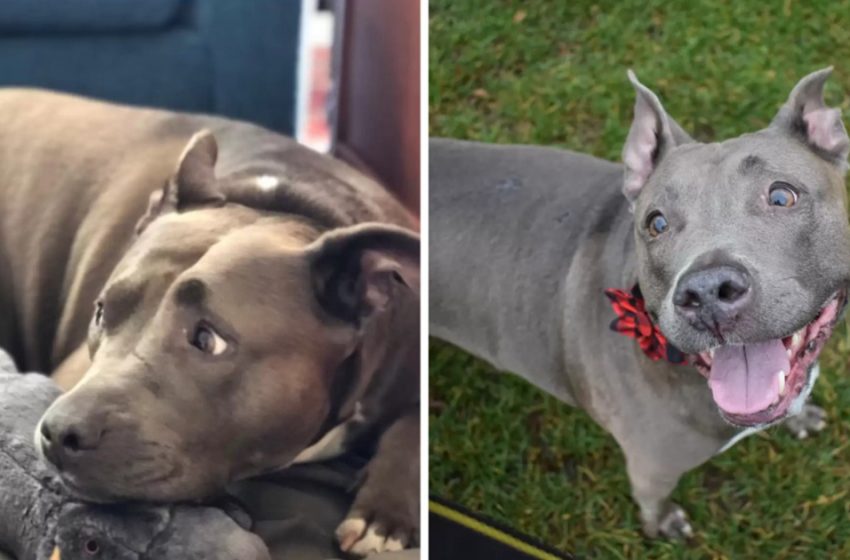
x: 54, y: 526
x: 241, y: 306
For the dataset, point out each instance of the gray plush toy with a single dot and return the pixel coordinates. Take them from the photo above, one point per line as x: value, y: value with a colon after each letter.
x: 40, y: 521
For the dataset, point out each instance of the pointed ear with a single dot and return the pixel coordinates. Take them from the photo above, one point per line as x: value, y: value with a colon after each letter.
x: 359, y: 270
x: 652, y: 134
x: 806, y: 116
x: 192, y: 184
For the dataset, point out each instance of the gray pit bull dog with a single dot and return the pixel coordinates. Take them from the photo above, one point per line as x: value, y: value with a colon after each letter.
x: 741, y: 249
x: 233, y: 302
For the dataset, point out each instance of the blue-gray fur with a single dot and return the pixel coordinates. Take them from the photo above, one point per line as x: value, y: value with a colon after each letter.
x: 524, y: 239
x: 37, y: 515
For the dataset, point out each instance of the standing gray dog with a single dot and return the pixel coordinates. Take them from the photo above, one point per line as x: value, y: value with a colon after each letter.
x: 740, y: 249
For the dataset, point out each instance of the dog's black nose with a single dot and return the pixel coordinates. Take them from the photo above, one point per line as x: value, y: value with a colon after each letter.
x: 713, y: 298
x: 64, y: 438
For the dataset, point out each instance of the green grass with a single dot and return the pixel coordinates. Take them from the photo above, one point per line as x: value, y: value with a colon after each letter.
x: 553, y: 72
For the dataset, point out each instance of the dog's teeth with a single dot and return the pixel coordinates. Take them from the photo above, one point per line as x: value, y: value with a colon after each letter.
x: 796, y: 340
x: 790, y: 353
x: 780, y: 375
x: 711, y: 353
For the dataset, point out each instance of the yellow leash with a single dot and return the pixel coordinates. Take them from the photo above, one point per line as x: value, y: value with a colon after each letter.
x: 491, y: 532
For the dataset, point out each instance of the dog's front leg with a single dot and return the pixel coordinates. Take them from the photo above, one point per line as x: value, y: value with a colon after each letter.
x: 651, y: 489
x: 655, y: 461
x: 385, y: 512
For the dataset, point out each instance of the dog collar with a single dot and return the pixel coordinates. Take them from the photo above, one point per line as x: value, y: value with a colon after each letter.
x: 634, y: 321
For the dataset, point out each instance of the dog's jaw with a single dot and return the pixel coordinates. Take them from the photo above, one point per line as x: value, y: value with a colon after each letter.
x: 803, y: 348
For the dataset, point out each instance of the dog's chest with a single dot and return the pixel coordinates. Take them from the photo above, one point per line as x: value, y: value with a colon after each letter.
x: 334, y: 443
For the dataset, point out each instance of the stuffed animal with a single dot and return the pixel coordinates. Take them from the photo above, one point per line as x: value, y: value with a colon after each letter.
x: 40, y: 520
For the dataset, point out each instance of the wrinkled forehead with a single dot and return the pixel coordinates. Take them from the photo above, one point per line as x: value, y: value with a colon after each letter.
x: 741, y: 163
x: 259, y: 281
x: 176, y: 241
x: 258, y: 261
x: 171, y: 242
x: 240, y: 261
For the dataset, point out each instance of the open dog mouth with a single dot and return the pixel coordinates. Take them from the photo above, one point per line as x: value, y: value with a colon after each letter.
x: 757, y: 383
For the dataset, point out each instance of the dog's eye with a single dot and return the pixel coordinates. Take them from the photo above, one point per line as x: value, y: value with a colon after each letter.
x: 656, y: 223
x: 207, y: 340
x: 98, y: 313
x: 782, y: 194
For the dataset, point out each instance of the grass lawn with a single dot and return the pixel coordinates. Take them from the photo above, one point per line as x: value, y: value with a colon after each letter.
x: 553, y: 72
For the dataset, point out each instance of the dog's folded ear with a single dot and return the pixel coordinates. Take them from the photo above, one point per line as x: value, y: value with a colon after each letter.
x: 652, y: 134
x: 193, y: 182
x: 358, y: 270
x: 806, y: 116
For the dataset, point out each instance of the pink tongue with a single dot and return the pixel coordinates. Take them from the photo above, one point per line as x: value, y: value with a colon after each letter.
x: 744, y: 379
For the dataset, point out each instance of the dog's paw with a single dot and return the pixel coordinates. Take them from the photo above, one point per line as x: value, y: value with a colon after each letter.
x: 384, y: 516
x: 673, y: 524
x: 358, y: 536
x: 810, y: 420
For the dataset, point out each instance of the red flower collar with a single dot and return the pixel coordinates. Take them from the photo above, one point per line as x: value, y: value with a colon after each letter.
x: 633, y: 321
